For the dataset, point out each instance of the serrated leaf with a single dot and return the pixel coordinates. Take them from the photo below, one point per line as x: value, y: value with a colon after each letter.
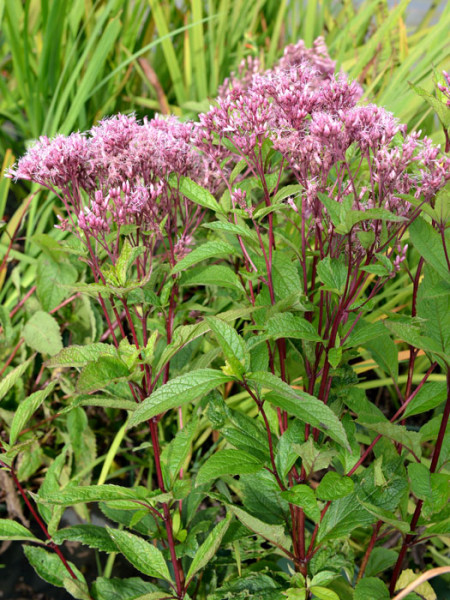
x: 209, y: 547
x: 380, y: 560
x: 428, y: 243
x: 49, y: 566
x: 334, y: 486
x: 127, y: 257
x: 175, y: 453
x: 333, y: 274
x: 323, y: 593
x: 430, y: 396
x: 79, y: 356
x: 26, y: 409
x: 41, y: 333
x: 397, y: 433
x: 300, y: 404
x: 93, y: 536
x: 77, y: 589
x: 240, y: 230
x: 286, y: 325
x: 214, y: 249
x: 273, y: 533
x: 343, y: 516
x: 95, y: 493
x: 371, y: 588
x: 12, y: 530
x: 51, y: 277
x: 9, y: 380
x: 228, y: 462
x: 101, y: 373
x: 121, y: 589
x: 143, y: 556
x: 219, y: 275
x: 195, y: 192
x: 178, y: 391
x: 303, y: 496
x: 233, y: 346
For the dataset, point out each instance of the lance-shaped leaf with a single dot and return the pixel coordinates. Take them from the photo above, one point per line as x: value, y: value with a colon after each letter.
x: 195, y: 192
x: 214, y: 249
x: 101, y: 373
x: 209, y: 547
x: 26, y: 409
x: 300, y: 404
x: 12, y: 530
x: 96, y: 493
x: 49, y: 566
x: 233, y: 346
x: 79, y: 356
x: 286, y: 325
x: 228, y: 462
x: 272, y: 533
x: 93, y: 536
x: 143, y: 556
x: 178, y: 391
x: 9, y: 380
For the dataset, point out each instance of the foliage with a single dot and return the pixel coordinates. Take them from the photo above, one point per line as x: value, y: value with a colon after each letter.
x: 234, y: 344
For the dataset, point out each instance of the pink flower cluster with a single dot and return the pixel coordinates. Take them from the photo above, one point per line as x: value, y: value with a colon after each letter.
x: 122, y: 166
x: 331, y: 145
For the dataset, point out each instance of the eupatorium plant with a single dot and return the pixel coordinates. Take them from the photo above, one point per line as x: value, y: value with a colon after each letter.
x: 245, y: 266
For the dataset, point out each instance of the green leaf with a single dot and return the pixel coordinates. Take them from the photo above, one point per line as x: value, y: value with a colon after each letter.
x: 49, y: 566
x: 241, y: 230
x: 77, y: 589
x: 371, y: 588
x: 128, y: 256
x: 381, y: 559
x: 51, y: 276
x: 178, y: 391
x: 303, y: 496
x: 344, y: 515
x: 273, y: 533
x: 228, y: 462
x: 41, y: 333
x: 233, y: 346
x: 195, y: 192
x: 323, y: 593
x: 209, y: 547
x: 175, y: 453
x: 12, y: 530
x: 432, y: 488
x: 80, y: 356
x: 121, y: 589
x: 219, y: 275
x: 93, y: 536
x: 430, y: 396
x: 300, y: 404
x: 9, y: 380
x: 397, y: 433
x: 214, y: 249
x: 428, y: 243
x: 101, y: 373
x: 143, y: 556
x: 95, y: 493
x: 286, y: 325
x: 26, y: 409
x: 334, y: 486
x: 439, y: 107
x: 333, y: 274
